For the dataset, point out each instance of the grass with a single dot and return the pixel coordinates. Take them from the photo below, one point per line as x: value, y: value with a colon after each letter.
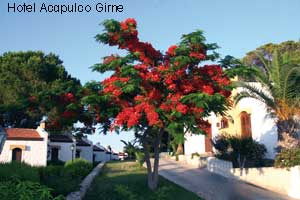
x: 125, y: 180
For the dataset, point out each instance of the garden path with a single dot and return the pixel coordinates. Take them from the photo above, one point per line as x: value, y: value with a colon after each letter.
x: 212, y: 186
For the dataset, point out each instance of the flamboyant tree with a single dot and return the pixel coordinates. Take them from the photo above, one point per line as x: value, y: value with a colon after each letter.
x: 152, y: 92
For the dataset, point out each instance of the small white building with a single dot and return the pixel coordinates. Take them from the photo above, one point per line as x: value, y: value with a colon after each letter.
x: 249, y: 118
x: 24, y: 145
x: 84, y: 149
x: 115, y: 156
x: 61, y: 147
x: 98, y: 154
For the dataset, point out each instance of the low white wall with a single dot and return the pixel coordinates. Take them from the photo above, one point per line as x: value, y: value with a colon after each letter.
x: 218, y: 166
x: 279, y: 180
x: 197, y: 161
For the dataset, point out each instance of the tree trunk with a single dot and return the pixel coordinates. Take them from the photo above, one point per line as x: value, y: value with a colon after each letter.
x: 152, y: 173
x: 179, y: 149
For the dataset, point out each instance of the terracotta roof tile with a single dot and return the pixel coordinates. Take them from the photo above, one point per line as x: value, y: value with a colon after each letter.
x: 22, y: 134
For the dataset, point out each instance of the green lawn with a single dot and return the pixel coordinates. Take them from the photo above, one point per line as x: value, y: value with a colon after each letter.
x: 127, y: 181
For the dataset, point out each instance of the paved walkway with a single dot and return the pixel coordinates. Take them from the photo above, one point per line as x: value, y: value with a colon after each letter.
x: 212, y: 186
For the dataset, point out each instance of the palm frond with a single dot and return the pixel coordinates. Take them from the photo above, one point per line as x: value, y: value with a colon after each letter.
x: 251, y: 91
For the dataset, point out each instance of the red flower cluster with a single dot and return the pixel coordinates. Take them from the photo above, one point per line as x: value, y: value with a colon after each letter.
x: 69, y: 114
x: 110, y: 86
x: 67, y: 98
x: 131, y: 115
x: 171, y: 50
x: 198, y: 56
x: 32, y: 99
x: 127, y: 38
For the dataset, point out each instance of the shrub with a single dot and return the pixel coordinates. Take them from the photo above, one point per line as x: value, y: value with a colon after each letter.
x: 55, y: 162
x: 78, y: 168
x: 65, y: 179
x: 16, y: 190
x: 288, y: 157
x: 243, y: 152
x: 20, y: 171
x: 140, y: 157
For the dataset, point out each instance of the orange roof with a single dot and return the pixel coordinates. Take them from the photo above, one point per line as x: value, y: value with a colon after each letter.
x: 22, y: 134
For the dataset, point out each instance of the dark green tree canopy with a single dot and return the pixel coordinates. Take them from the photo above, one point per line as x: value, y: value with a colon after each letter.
x: 32, y: 85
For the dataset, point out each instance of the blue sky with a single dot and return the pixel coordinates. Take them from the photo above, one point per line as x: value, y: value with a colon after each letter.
x: 237, y: 26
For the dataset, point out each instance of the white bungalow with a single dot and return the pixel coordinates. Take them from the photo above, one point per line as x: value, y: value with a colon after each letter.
x: 98, y: 154
x: 115, y: 156
x: 84, y: 149
x: 108, y: 155
x: 24, y: 145
x: 61, y: 147
x: 249, y: 118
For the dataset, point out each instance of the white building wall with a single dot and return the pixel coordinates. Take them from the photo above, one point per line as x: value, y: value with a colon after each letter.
x: 35, y: 152
x: 108, y: 156
x: 194, y: 143
x: 86, y: 152
x: 264, y: 129
x: 64, y: 152
x: 99, y: 156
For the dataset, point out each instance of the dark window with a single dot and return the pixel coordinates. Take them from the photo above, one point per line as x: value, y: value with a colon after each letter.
x: 77, y: 154
x: 54, y: 154
x: 17, y: 154
x: 245, y: 124
x: 224, y: 122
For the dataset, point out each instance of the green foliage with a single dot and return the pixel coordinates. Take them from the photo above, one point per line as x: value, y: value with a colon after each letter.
x: 65, y: 179
x: 79, y: 167
x: 162, y: 193
x: 124, y: 192
x: 288, y: 158
x: 55, y: 162
x: 32, y: 82
x: 140, y: 157
x: 61, y: 179
x: 130, y: 148
x: 18, y: 170
x: 243, y: 152
x: 25, y: 190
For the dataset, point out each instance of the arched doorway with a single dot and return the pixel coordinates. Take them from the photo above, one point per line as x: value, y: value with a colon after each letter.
x: 17, y: 154
x: 245, y: 125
